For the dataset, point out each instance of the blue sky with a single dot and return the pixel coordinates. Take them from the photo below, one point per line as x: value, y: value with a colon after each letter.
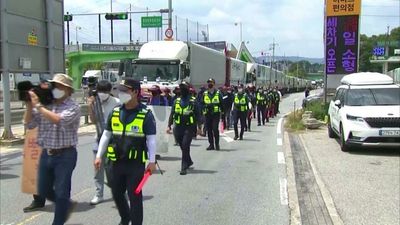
x: 296, y: 25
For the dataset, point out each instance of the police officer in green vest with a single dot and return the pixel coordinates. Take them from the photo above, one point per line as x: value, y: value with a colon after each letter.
x: 261, y: 106
x: 184, y: 115
x: 240, y: 111
x: 129, y: 140
x: 212, y: 106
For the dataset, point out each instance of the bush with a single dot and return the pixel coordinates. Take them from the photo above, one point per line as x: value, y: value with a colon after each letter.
x: 294, y: 122
x: 318, y: 109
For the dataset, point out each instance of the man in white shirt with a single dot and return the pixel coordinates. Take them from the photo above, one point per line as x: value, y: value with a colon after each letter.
x: 108, y: 103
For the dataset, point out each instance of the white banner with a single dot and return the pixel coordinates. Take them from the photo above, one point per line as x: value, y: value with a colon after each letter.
x: 161, y: 115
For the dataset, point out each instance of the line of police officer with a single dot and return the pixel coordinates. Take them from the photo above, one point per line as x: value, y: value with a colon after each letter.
x: 129, y: 137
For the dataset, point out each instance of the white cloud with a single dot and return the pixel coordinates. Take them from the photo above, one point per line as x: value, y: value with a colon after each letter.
x: 296, y: 25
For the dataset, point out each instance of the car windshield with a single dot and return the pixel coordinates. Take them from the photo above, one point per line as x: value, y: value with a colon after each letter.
x: 155, y: 72
x: 378, y: 96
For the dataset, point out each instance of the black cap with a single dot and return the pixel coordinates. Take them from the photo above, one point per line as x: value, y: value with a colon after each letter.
x: 211, y: 80
x: 129, y: 83
x: 184, y: 84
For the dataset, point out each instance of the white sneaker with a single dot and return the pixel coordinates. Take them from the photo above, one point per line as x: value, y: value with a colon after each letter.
x: 96, y: 200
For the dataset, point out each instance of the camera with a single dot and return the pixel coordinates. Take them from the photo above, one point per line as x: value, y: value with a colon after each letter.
x: 43, y: 91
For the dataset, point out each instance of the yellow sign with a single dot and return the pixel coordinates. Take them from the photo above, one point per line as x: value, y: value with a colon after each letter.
x: 32, y: 38
x: 343, y: 7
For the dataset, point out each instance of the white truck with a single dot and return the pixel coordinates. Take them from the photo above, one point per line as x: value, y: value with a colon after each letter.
x: 167, y: 63
x: 236, y: 72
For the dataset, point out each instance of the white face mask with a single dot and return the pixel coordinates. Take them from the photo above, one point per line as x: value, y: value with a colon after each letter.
x: 57, y: 93
x: 240, y: 90
x: 124, y: 97
x: 103, y: 96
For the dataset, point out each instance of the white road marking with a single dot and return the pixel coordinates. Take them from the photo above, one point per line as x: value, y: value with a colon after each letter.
x: 279, y: 141
x: 281, y: 158
x: 279, y: 127
x: 227, y: 139
x: 228, y: 131
x: 283, y: 191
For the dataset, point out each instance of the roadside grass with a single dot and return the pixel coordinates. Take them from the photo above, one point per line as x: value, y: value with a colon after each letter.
x: 319, y: 110
x: 294, y: 122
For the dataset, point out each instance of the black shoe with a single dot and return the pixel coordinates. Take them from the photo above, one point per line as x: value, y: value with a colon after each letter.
x: 158, y: 157
x: 210, y: 148
x: 183, y: 172
x: 33, y: 207
x: 123, y: 223
x: 190, y: 164
x: 217, y: 147
x: 235, y: 138
x: 258, y: 124
x: 241, y: 138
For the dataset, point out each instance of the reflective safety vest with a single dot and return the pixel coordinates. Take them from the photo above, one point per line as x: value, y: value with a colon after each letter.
x: 213, y: 104
x: 184, y: 114
x: 128, y: 140
x: 240, y: 103
x: 260, y: 99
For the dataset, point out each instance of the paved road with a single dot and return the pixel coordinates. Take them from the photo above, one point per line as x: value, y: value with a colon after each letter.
x: 244, y: 183
x: 364, y: 184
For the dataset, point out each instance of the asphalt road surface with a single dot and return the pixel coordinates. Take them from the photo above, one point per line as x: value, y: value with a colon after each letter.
x: 243, y: 183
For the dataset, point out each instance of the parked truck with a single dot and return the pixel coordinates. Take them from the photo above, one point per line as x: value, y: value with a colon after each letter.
x: 167, y: 63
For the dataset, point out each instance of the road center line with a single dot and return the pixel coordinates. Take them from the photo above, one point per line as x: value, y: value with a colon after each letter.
x: 283, y: 191
x: 281, y: 158
x: 279, y: 141
x: 279, y: 127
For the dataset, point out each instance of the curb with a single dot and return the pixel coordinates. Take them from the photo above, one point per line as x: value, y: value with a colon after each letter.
x: 294, y: 207
x: 330, y: 205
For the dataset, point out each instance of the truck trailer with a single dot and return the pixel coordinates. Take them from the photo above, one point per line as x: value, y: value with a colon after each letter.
x: 167, y: 63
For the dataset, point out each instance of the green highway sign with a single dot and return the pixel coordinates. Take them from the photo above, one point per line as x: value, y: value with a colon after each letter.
x: 151, y: 21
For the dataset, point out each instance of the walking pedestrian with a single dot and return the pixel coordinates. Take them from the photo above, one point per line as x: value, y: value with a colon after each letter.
x: 212, y: 102
x: 58, y: 125
x: 108, y: 103
x: 184, y: 115
x: 240, y: 108
x: 133, y: 130
x: 261, y: 106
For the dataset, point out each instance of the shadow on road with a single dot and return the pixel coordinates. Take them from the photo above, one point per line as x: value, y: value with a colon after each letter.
x: 7, y: 176
x: 390, y: 152
x: 8, y: 166
x: 227, y: 150
x: 169, y: 158
x: 6, y: 157
x: 250, y: 139
x: 195, y: 171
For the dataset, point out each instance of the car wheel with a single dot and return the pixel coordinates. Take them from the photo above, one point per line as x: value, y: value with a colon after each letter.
x: 331, y: 133
x: 343, y: 145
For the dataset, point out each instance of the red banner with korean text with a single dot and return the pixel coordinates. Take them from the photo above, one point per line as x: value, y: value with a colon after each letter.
x: 31, y: 155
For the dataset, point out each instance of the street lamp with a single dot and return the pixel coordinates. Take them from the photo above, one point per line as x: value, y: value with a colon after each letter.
x: 76, y: 33
x: 241, y: 34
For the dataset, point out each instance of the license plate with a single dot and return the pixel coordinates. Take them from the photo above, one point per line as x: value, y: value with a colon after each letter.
x: 389, y: 132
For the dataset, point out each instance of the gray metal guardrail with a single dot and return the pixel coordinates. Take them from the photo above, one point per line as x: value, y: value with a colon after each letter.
x: 18, y: 114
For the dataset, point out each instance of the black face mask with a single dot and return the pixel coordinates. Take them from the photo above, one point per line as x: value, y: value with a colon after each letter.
x: 210, y: 85
x: 184, y: 92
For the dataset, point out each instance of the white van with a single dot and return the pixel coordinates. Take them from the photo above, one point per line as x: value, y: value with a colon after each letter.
x: 366, y: 111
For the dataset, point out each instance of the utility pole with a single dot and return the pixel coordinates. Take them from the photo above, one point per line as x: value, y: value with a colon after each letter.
x: 386, y: 64
x: 147, y: 14
x: 67, y: 30
x: 130, y: 23
x: 112, y: 24
x: 99, y: 29
x: 272, y: 47
x: 170, y: 14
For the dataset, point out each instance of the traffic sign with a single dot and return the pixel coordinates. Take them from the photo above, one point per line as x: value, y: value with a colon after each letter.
x: 169, y: 33
x: 151, y: 21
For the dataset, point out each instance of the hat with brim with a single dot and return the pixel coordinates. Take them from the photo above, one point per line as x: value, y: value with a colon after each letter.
x: 62, y: 79
x: 128, y: 84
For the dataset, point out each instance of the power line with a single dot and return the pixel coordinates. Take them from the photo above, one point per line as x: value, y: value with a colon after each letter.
x: 394, y: 16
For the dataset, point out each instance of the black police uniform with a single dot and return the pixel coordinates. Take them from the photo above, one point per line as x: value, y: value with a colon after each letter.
x: 261, y: 107
x: 212, y: 103
x: 240, y: 108
x: 184, y: 115
x: 127, y: 153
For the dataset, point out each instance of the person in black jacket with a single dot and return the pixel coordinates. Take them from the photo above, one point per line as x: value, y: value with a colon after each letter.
x: 184, y: 114
x: 212, y: 103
